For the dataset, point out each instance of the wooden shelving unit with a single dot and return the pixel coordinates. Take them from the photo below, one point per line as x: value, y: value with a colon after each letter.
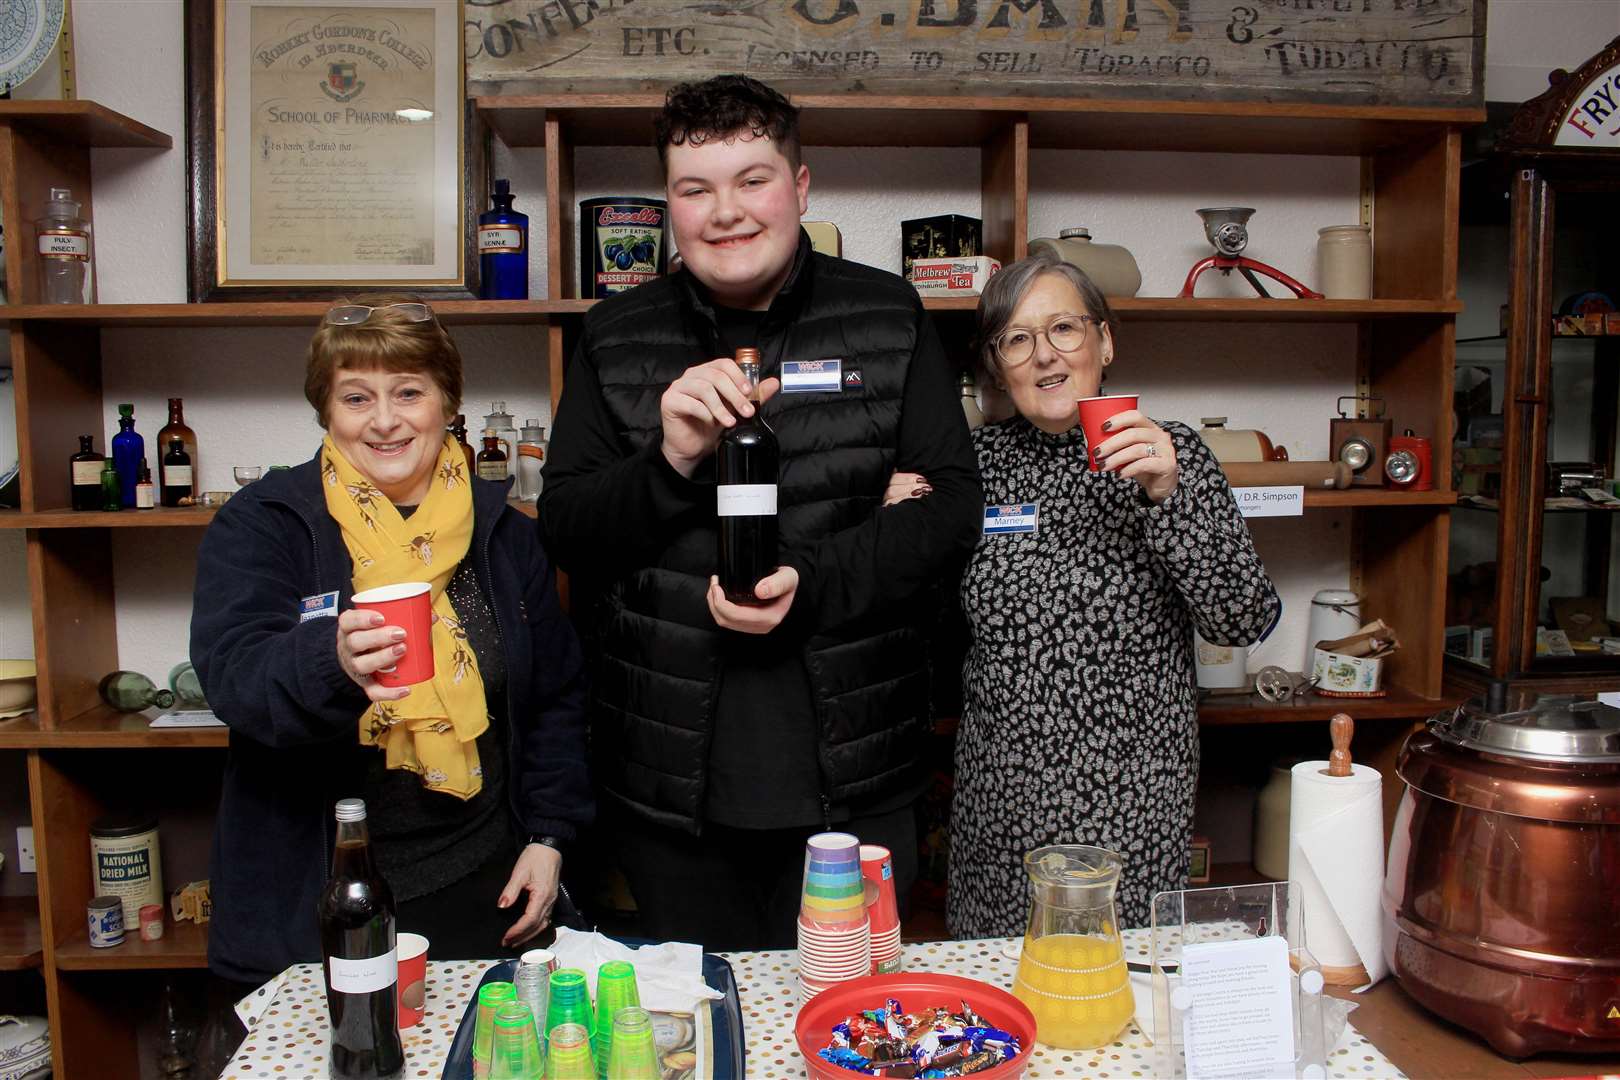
x: 21, y: 946
x: 77, y: 751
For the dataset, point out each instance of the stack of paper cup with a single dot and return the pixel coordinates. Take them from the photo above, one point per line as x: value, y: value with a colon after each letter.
x: 835, y: 941
x: 882, y: 911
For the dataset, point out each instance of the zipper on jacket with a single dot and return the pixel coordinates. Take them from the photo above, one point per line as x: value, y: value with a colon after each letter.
x: 826, y: 813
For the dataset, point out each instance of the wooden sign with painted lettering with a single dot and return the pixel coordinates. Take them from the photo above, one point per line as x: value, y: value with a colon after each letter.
x: 1389, y: 52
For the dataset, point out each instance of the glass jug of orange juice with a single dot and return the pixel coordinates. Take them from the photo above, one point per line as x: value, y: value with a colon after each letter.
x: 1072, y: 971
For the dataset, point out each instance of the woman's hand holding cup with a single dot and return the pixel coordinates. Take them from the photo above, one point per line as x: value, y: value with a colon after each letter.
x: 365, y: 646
x: 1140, y: 450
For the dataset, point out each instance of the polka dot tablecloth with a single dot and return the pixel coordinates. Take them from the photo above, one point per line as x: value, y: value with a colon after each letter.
x: 289, y: 1037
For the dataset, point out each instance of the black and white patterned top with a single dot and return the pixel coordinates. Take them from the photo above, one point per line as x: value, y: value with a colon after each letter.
x: 1080, y: 711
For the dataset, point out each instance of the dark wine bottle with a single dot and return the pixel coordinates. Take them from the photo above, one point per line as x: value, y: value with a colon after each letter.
x: 176, y: 474
x: 356, y: 913
x: 746, y: 464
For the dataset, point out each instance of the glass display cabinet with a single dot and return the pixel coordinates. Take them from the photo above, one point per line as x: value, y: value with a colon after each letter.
x: 1532, y: 592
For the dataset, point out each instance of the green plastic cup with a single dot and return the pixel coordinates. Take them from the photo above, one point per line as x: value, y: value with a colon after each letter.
x: 570, y: 1002
x: 634, y: 1057
x: 568, y: 1052
x: 616, y: 988
x: 516, y: 1049
x: 491, y: 996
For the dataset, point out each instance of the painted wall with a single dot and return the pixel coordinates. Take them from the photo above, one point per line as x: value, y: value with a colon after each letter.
x: 242, y: 388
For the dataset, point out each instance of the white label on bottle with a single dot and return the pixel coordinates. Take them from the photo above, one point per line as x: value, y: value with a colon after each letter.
x: 64, y: 245
x: 87, y: 473
x: 499, y: 239
x: 745, y: 500
x: 364, y: 976
x: 177, y: 476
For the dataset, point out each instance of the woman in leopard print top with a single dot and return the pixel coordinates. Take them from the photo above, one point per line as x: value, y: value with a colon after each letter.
x: 1080, y: 717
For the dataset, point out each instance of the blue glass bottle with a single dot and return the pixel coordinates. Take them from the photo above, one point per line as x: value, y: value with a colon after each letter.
x: 503, y: 248
x: 128, y: 453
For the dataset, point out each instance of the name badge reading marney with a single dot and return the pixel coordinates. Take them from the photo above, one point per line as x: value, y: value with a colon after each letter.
x: 812, y: 376
x: 320, y: 606
x: 1017, y: 518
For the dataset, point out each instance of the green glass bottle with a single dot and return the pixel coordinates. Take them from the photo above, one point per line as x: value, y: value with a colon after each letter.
x: 112, y: 491
x: 130, y: 691
x: 186, y: 686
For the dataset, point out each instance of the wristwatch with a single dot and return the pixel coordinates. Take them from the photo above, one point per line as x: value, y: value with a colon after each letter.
x: 553, y: 842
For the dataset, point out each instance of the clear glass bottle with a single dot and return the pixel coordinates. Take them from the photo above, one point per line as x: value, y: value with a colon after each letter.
x: 500, y: 421
x: 84, y: 470
x: 128, y: 451
x: 970, y: 402
x: 356, y: 916
x: 492, y: 459
x: 746, y: 466
x: 186, y: 686
x: 176, y: 474
x: 64, y: 251
x: 176, y: 429
x: 130, y: 691
x: 531, y: 458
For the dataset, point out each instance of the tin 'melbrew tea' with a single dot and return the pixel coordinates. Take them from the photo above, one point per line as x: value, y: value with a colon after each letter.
x: 621, y: 244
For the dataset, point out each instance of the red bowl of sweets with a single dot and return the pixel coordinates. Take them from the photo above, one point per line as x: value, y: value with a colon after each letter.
x: 949, y: 1005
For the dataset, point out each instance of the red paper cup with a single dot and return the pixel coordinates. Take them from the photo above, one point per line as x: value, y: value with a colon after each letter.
x: 411, y: 949
x: 877, y: 867
x: 409, y: 606
x: 1095, y: 410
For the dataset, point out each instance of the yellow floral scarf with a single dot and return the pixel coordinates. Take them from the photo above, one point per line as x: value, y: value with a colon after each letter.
x: 432, y: 731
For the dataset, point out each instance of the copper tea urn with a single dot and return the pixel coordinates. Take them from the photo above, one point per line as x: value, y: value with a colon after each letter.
x: 1502, y: 894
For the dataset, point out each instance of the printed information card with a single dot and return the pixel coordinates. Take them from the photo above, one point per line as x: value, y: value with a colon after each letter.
x: 1255, y: 502
x: 1240, y: 1014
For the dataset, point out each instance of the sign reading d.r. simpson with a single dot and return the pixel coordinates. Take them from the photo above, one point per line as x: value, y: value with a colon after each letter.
x: 1412, y: 52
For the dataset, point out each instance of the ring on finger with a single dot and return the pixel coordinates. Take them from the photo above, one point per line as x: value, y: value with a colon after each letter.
x: 1153, y: 451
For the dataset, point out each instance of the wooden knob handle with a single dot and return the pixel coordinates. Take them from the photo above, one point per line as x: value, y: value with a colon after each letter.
x: 1341, y: 729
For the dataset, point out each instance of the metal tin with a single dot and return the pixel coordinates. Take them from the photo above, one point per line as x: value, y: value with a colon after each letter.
x: 125, y: 862
x: 1498, y: 909
x: 621, y: 244
x: 151, y: 922
x: 106, y: 915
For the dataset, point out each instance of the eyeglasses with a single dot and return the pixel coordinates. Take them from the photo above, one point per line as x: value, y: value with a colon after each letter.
x: 1065, y: 333
x: 355, y: 314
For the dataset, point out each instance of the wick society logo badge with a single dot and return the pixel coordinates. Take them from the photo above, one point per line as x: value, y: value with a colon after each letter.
x: 342, y: 82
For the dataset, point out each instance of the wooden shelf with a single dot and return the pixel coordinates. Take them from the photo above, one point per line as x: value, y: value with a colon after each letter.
x: 183, y: 945
x: 1147, y: 309
x: 176, y: 518
x: 21, y: 946
x: 1323, y: 500
x: 900, y: 121
x: 287, y: 313
x: 83, y: 123
x: 1225, y: 709
x: 1233, y: 873
x: 105, y: 728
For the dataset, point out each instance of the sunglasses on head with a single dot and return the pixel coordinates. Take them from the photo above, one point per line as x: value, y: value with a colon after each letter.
x: 355, y: 314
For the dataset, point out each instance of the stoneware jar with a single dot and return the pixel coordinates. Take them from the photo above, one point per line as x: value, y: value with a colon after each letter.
x: 1112, y: 267
x: 1344, y: 261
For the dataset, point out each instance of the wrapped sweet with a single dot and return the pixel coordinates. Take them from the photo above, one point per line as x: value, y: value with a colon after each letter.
x: 934, y: 1042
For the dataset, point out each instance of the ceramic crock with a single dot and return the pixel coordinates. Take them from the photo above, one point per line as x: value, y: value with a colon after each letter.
x: 1502, y: 893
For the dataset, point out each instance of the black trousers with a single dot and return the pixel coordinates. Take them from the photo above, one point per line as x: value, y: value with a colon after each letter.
x: 738, y: 889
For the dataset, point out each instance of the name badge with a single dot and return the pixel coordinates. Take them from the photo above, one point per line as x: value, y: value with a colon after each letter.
x: 812, y: 376
x: 1017, y: 518
x: 320, y: 606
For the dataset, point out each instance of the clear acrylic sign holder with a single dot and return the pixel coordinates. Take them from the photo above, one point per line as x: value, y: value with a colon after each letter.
x: 1234, y: 913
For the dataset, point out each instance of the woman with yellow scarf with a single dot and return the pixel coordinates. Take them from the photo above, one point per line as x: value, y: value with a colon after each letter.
x: 473, y: 780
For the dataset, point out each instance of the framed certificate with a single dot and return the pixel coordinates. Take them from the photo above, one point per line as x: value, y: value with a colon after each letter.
x: 326, y: 148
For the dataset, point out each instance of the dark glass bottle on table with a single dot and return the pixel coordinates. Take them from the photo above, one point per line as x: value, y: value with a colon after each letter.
x: 176, y: 429
x: 85, y: 468
x: 746, y: 466
x: 176, y: 474
x: 492, y: 459
x: 356, y: 914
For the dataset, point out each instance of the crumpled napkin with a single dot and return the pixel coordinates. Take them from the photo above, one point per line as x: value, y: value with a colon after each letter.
x: 669, y: 976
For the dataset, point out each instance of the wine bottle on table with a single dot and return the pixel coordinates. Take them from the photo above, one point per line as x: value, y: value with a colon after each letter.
x: 356, y: 913
x: 746, y: 466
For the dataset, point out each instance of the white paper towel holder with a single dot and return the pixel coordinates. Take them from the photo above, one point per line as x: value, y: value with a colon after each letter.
x: 1341, y: 729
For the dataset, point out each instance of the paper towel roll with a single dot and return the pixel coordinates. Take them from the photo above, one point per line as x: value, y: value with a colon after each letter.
x: 1336, y: 854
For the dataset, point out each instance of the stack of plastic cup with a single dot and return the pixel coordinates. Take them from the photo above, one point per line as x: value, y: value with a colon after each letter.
x: 616, y: 989
x: 569, y: 1003
x: 516, y: 1049
x: 533, y: 982
x: 882, y: 911
x: 568, y: 1057
x: 834, y: 935
x: 634, y: 1056
x: 491, y: 996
